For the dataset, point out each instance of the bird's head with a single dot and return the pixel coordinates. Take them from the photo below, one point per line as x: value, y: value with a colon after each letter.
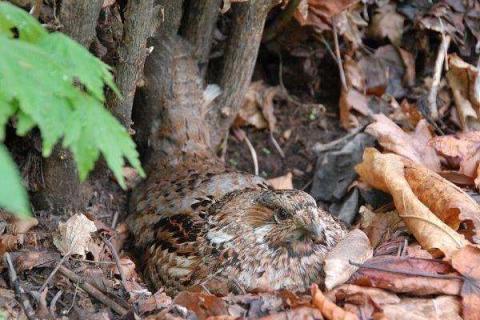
x: 288, y: 217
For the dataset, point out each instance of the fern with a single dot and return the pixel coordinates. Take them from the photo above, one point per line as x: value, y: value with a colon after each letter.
x: 51, y: 82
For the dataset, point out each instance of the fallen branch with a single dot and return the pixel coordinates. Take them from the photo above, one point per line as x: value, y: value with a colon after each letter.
x: 94, y: 292
x: 20, y: 293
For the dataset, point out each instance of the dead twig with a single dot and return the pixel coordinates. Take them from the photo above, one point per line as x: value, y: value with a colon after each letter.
x: 437, y: 75
x: 94, y: 292
x: 276, y: 145
x: 54, y: 271
x: 20, y: 293
x: 53, y: 304
x: 339, y: 59
x: 320, y: 147
x: 253, y: 153
x: 123, y: 279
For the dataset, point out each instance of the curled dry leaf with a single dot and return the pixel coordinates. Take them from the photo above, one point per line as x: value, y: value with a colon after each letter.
x: 329, y: 309
x: 257, y: 110
x: 282, y: 182
x: 378, y: 296
x: 352, y: 100
x: 447, y: 201
x: 354, y: 247
x: 408, y: 275
x: 414, y: 146
x: 462, y: 152
x: 462, y: 77
x: 74, y: 235
x: 443, y: 307
x: 379, y: 226
x: 386, y: 172
x: 467, y: 262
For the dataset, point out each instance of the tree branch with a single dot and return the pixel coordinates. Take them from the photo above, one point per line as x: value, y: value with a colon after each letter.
x: 240, y: 57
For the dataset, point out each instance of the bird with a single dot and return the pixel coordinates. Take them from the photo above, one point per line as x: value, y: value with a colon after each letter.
x: 198, y: 223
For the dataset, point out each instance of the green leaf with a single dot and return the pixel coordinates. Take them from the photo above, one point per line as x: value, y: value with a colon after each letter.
x: 13, y: 196
x: 79, y: 64
x: 12, y: 17
x: 7, y: 110
x: 91, y: 129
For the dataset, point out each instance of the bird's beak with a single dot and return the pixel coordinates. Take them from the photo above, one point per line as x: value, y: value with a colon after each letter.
x: 318, y: 235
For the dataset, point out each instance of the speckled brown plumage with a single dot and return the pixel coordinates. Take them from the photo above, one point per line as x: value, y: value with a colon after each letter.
x: 195, y: 222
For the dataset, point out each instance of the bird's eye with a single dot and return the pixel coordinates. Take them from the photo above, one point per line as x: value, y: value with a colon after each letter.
x: 281, y: 214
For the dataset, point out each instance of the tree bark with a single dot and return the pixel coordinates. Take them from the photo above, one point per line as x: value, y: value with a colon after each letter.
x: 198, y: 29
x: 240, y: 57
x: 132, y: 54
x: 63, y: 190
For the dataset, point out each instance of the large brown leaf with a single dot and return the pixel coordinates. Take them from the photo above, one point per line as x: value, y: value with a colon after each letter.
x: 408, y: 275
x: 386, y: 172
x: 414, y: 146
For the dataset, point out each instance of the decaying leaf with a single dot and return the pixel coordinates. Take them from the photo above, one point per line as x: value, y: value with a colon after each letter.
x: 408, y: 275
x: 352, y: 100
x: 74, y: 235
x: 34, y: 259
x: 354, y: 247
x: 467, y: 262
x: 202, y: 304
x: 448, y: 202
x: 442, y: 307
x: 414, y: 146
x: 282, y: 182
x: 462, y: 152
x: 257, y: 109
x: 329, y: 309
x: 378, y: 296
x: 462, y: 77
x: 386, y: 172
x: 387, y: 23
x: 379, y: 226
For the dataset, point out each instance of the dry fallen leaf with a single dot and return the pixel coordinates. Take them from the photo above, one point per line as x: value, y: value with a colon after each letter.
x: 282, y: 182
x: 442, y: 307
x: 352, y: 100
x: 447, y: 201
x: 354, y: 247
x: 386, y: 172
x: 408, y: 275
x: 329, y: 309
x: 257, y: 109
x: 467, y: 262
x: 461, y: 150
x: 461, y: 77
x: 387, y: 23
x: 379, y: 226
x: 414, y: 146
x: 74, y: 235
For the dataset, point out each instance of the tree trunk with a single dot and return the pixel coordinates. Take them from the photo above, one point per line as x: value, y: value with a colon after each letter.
x: 240, y: 57
x: 63, y: 190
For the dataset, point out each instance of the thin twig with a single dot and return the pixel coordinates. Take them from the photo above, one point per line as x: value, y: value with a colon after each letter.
x: 437, y: 75
x: 320, y: 147
x: 92, y: 262
x: 53, y: 304
x: 115, y: 219
x: 117, y: 262
x: 408, y: 273
x: 253, y: 153
x: 94, y: 292
x: 54, y: 271
x: 339, y: 59
x: 20, y: 293
x: 73, y: 299
x: 276, y: 145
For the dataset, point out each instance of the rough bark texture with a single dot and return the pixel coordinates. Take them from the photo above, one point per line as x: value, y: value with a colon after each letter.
x: 79, y: 19
x: 170, y: 17
x: 63, y: 190
x: 198, y: 29
x: 240, y: 57
x: 132, y: 54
